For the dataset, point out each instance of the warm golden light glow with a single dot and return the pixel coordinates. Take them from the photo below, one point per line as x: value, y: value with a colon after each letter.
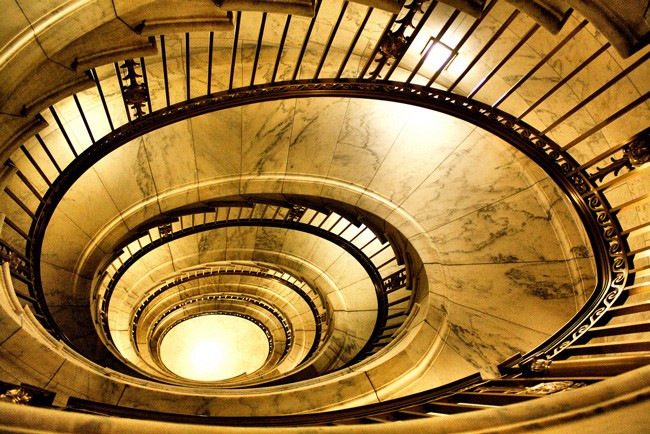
x: 437, y: 54
x: 214, y: 347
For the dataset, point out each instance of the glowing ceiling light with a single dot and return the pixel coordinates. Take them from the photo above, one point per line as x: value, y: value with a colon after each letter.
x: 214, y: 347
x: 437, y: 54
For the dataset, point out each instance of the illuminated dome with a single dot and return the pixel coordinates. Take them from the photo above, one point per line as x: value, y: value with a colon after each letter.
x: 214, y: 347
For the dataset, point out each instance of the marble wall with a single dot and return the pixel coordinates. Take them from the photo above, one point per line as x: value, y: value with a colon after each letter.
x: 505, y: 260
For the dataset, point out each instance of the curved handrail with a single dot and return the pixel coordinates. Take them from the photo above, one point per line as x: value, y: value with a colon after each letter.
x: 591, y: 205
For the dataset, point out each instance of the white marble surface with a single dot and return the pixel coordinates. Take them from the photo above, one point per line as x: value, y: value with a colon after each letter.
x: 350, y: 288
x: 309, y: 127
x: 516, y: 293
x: 90, y: 190
x: 368, y: 131
x: 126, y: 175
x: 172, y: 162
x: 63, y: 232
x: 217, y: 141
x: 424, y: 143
x: 476, y: 174
x: 524, y: 227
x: 73, y: 381
x: 266, y: 134
x: 468, y: 194
x: 465, y: 195
x: 385, y: 179
x: 21, y: 349
x: 484, y: 340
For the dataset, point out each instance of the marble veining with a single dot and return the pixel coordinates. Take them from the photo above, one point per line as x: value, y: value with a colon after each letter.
x: 426, y: 140
x: 126, y: 174
x: 310, y: 128
x: 477, y: 173
x: 365, y: 138
x: 522, y: 227
x: 515, y: 292
x: 266, y: 134
x: 484, y: 340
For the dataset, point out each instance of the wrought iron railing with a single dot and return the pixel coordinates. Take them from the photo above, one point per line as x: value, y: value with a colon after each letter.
x: 609, y: 329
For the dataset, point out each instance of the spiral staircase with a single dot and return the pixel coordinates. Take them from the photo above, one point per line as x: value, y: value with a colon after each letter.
x: 327, y: 216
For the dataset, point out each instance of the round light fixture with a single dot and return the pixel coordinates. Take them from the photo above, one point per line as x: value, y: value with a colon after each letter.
x: 214, y: 347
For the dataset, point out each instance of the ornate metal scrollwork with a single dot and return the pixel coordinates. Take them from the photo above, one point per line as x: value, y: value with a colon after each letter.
x: 609, y: 244
x: 296, y: 213
x: 540, y: 366
x: 16, y: 396
x: 17, y: 265
x: 635, y: 154
x: 552, y: 387
x: 395, y: 281
x: 135, y: 94
x: 394, y: 43
x: 165, y: 230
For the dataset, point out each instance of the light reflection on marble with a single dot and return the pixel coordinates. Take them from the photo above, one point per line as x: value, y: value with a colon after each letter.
x: 80, y: 383
x: 172, y: 161
x: 449, y: 366
x: 21, y: 370
x: 63, y: 232
x: 217, y: 143
x: 485, y: 340
x: 266, y: 134
x: 476, y: 174
x: 258, y: 403
x: 63, y: 287
x: 517, y: 293
x: 409, y: 358
x: 425, y: 141
x: 126, y: 175
x: 583, y: 276
x: 365, y: 138
x: 541, y: 117
x: 89, y: 189
x: 310, y: 128
x: 462, y: 183
x: 21, y: 348
x: 520, y: 228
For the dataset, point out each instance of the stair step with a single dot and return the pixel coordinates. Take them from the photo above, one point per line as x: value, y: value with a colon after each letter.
x: 639, y: 288
x: 619, y: 329
x: 608, y: 348
x: 487, y: 398
x: 445, y: 408
x: 627, y: 309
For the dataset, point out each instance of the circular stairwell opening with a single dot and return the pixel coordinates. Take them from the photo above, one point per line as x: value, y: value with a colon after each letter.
x: 214, y: 347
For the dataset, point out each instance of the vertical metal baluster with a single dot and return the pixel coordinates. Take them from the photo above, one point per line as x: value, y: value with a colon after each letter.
x: 164, y: 64
x: 210, y: 54
x: 281, y: 48
x: 355, y: 39
x: 234, y: 50
x: 306, y: 40
x: 258, y: 48
x: 328, y: 45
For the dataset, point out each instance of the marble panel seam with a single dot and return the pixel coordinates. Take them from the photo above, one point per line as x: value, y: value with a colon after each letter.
x: 488, y: 205
x: 484, y: 313
x: 10, y: 336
